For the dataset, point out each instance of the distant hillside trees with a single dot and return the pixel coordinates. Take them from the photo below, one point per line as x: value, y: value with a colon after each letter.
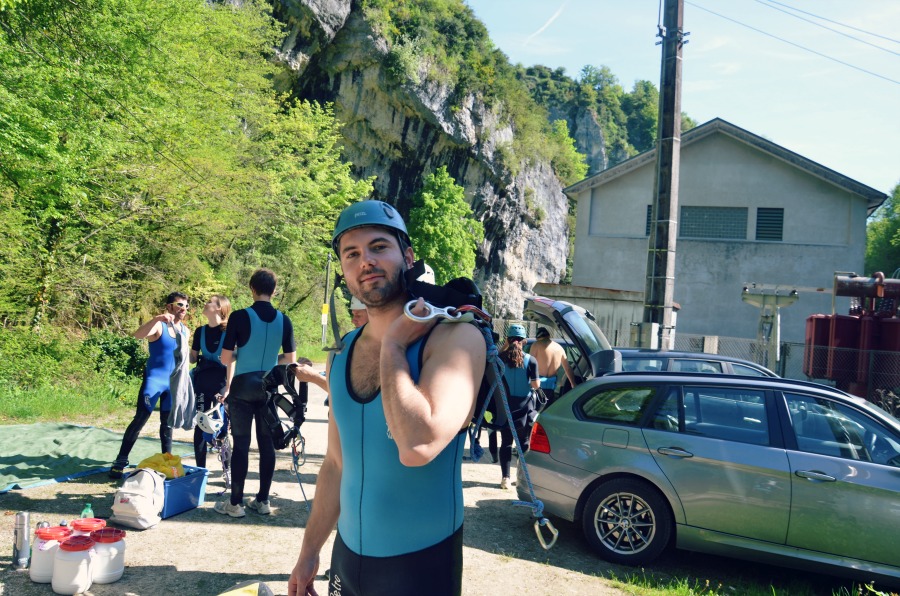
x: 883, y: 237
x: 628, y: 119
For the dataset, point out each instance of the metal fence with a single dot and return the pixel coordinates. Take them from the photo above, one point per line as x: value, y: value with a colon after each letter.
x: 872, y: 374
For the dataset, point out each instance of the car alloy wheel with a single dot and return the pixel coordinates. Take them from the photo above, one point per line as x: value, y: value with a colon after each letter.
x: 627, y: 522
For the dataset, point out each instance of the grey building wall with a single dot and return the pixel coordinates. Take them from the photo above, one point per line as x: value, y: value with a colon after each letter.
x: 824, y: 232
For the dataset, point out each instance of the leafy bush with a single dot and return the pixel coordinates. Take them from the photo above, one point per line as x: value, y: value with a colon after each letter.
x: 112, y: 354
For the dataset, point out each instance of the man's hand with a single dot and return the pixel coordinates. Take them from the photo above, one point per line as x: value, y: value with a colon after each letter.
x: 165, y: 318
x: 404, y: 331
x: 221, y: 397
x: 302, y: 577
x: 305, y: 373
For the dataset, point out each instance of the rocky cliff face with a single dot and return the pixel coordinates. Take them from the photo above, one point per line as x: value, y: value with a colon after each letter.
x: 401, y: 130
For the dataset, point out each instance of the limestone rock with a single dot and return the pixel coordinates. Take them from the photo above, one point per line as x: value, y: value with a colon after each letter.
x: 400, y: 128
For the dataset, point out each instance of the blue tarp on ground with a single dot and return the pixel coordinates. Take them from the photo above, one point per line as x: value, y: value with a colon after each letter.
x: 36, y: 454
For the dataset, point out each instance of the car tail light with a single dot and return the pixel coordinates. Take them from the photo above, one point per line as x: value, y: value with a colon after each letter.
x: 539, y: 440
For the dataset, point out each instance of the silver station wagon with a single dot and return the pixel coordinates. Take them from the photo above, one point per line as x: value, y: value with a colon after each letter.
x: 778, y: 471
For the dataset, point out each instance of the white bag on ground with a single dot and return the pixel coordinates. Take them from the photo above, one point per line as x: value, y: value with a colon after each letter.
x: 140, y: 499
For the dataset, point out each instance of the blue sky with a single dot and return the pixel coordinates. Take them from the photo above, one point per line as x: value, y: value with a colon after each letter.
x: 838, y: 116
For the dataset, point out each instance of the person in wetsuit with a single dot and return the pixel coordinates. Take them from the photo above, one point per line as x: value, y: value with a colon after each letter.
x: 209, y: 374
x: 550, y: 357
x: 402, y: 395
x: 162, y: 333
x: 253, y: 340
x: 520, y: 376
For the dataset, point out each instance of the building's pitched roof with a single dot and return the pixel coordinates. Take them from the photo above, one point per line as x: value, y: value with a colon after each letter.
x: 873, y: 197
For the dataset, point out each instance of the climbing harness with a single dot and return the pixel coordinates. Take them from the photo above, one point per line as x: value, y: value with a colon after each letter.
x: 497, y: 393
x: 213, y: 423
x: 283, y: 396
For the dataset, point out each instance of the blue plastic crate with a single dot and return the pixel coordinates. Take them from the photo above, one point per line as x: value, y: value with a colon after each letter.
x: 185, y: 493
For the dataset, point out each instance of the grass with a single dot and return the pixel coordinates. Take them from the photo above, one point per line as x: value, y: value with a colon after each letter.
x: 111, y: 402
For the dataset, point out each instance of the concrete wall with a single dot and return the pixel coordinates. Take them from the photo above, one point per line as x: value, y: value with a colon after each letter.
x: 824, y: 232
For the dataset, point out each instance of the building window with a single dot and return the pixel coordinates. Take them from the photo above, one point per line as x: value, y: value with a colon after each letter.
x: 649, y: 215
x: 770, y: 223
x: 713, y: 222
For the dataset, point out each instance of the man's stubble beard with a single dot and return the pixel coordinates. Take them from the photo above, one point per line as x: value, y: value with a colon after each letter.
x: 393, y: 290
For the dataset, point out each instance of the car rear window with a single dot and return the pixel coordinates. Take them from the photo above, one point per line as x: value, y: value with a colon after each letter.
x: 696, y: 366
x: 620, y: 404
x: 642, y: 364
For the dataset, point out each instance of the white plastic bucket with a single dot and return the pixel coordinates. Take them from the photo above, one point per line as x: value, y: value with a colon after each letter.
x: 109, y: 555
x: 72, y: 565
x: 46, y: 544
x: 85, y: 525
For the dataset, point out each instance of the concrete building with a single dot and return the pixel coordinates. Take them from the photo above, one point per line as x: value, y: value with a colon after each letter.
x: 750, y: 211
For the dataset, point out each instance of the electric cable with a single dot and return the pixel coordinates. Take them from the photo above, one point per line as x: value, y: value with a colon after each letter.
x: 847, y: 35
x: 797, y: 45
x: 885, y: 37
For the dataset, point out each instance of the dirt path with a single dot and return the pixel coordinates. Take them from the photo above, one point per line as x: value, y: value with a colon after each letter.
x: 202, y: 553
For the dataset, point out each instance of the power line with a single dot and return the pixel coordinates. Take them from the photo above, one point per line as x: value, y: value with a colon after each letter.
x: 796, y: 45
x: 837, y: 22
x: 847, y: 35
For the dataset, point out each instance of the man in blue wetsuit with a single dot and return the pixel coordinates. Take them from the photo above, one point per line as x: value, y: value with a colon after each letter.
x: 162, y: 333
x: 251, y: 347
x: 402, y: 394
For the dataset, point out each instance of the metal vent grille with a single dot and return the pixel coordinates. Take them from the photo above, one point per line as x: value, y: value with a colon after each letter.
x: 770, y: 223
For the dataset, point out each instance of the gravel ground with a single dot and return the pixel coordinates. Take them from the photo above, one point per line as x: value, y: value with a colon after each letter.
x: 201, y: 552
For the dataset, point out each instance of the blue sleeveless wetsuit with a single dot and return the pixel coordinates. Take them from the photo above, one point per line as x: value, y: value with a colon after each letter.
x: 160, y: 365
x: 391, y: 512
x: 209, y: 374
x: 260, y: 353
x: 519, y: 388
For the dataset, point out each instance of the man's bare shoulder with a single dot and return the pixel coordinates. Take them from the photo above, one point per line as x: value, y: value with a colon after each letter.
x: 458, y: 335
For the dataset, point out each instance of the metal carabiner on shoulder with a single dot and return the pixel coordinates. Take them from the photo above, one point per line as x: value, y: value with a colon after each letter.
x: 434, y: 312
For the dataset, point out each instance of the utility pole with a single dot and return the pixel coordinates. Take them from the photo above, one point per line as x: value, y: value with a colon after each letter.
x: 657, y: 327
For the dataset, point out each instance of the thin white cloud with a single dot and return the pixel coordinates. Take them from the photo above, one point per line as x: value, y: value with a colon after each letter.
x: 547, y: 24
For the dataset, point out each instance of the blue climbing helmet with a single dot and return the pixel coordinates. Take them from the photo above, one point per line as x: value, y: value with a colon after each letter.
x: 369, y: 213
x: 517, y: 331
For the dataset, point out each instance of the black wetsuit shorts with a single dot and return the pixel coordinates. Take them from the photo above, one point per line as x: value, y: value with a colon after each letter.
x: 435, y: 571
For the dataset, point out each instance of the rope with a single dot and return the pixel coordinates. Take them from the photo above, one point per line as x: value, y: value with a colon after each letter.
x: 496, y: 367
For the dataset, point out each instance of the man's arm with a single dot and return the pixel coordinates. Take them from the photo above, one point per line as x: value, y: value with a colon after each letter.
x: 152, y: 329
x: 323, y: 518
x: 305, y: 373
x: 424, y: 418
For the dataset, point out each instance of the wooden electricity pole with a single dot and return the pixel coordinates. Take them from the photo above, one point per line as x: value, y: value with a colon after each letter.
x: 660, y: 288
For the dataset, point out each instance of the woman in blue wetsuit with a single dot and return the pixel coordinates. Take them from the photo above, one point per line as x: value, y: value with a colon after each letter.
x: 520, y: 377
x: 209, y: 374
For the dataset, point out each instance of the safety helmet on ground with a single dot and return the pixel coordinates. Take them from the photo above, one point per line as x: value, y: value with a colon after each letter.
x: 517, y: 331
x: 369, y: 213
x: 211, y: 421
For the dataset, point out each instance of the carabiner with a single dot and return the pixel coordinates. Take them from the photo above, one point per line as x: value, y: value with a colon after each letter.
x: 434, y: 312
x: 538, y: 523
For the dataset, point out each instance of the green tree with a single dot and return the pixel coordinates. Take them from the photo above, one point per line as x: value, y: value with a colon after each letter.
x: 883, y: 236
x: 641, y: 107
x: 143, y: 147
x: 443, y: 229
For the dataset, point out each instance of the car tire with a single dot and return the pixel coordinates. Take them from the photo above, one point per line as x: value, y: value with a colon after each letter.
x: 627, y: 522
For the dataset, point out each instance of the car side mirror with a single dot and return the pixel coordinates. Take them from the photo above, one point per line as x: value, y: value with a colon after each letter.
x: 606, y: 362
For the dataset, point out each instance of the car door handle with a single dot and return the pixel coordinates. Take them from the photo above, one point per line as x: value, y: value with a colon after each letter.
x: 813, y: 475
x: 674, y: 451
